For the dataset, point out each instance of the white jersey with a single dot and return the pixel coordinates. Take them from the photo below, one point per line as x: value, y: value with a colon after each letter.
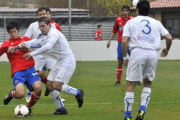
x: 34, y: 31
x: 53, y: 45
x: 144, y: 32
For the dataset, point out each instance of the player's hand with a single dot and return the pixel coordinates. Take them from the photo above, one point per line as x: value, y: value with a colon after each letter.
x: 24, y: 45
x: 27, y: 55
x: 108, y: 44
x: 125, y: 62
x: 11, y: 49
x: 164, y: 52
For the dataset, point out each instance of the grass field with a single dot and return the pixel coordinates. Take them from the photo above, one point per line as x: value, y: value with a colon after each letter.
x: 103, y: 101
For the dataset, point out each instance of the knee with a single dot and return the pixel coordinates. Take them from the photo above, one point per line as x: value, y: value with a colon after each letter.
x: 49, y: 86
x: 20, y: 94
x: 38, y: 87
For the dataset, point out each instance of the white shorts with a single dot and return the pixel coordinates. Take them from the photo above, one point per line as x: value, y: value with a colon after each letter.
x: 41, y: 61
x: 142, y: 64
x: 62, y: 70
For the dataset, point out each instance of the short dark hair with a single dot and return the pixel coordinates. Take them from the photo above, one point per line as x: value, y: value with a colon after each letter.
x: 125, y: 7
x: 99, y: 26
x: 45, y: 20
x: 47, y: 10
x: 143, y: 7
x: 11, y: 25
x: 42, y: 8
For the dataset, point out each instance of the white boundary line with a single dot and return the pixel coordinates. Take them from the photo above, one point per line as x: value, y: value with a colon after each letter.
x: 103, y: 103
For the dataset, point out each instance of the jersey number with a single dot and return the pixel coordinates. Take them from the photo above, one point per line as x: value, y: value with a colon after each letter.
x: 147, y: 25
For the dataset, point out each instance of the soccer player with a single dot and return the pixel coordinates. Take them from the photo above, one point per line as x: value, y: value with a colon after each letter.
x: 143, y: 36
x: 118, y: 27
x: 54, y: 44
x: 98, y: 33
x: 41, y: 61
x: 23, y: 71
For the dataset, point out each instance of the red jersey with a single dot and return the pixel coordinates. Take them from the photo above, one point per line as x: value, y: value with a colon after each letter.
x: 16, y: 59
x: 119, y: 26
x: 57, y: 25
x: 98, y: 34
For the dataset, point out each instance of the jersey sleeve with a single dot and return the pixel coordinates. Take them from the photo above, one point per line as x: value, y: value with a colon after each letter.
x: 163, y: 31
x: 29, y: 32
x: 126, y: 31
x: 3, y: 48
x: 53, y: 36
x: 116, y: 27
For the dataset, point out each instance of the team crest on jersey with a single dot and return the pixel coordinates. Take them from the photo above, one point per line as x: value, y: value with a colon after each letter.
x: 121, y: 27
x: 12, y: 44
x: 16, y: 81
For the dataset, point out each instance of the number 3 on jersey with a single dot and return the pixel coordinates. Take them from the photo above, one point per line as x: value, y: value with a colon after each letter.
x: 147, y: 25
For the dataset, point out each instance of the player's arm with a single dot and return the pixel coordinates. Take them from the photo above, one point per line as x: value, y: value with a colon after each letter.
x: 109, y: 41
x: 3, y: 49
x: 168, y: 38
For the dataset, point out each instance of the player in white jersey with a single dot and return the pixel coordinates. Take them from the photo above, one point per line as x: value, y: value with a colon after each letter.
x: 143, y: 37
x: 53, y: 44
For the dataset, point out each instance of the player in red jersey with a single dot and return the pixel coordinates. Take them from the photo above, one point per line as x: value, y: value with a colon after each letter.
x: 118, y: 27
x: 23, y: 71
x: 49, y: 15
x: 98, y: 33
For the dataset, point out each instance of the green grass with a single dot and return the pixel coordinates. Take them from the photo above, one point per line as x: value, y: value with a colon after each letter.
x: 103, y: 101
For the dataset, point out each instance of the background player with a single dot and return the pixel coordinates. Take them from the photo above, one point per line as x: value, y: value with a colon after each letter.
x: 54, y: 44
x: 98, y: 33
x: 143, y: 35
x: 118, y: 27
x: 23, y: 71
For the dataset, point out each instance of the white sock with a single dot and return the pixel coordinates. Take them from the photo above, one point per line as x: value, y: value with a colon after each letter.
x: 57, y: 98
x: 69, y: 90
x: 128, y: 101
x: 145, y: 97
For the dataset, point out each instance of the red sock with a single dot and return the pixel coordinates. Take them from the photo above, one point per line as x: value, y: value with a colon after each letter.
x: 119, y: 73
x: 33, y: 100
x: 44, y: 80
x: 13, y: 93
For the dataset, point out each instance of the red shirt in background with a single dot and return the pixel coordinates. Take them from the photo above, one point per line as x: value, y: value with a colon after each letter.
x: 16, y: 59
x: 57, y: 25
x: 98, y: 34
x: 119, y: 26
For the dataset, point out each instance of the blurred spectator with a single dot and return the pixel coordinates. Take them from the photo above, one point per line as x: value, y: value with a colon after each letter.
x: 98, y: 33
x: 171, y: 32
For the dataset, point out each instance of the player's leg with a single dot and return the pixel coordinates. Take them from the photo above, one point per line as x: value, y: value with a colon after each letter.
x: 145, y: 98
x: 148, y: 77
x: 18, y: 92
x: 119, y: 68
x: 129, y: 99
x: 56, y: 97
x: 65, y: 69
x: 34, y: 83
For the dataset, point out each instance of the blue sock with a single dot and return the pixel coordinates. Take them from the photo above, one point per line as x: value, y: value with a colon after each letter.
x: 62, y: 109
x: 142, y: 108
x: 128, y: 114
x: 78, y: 92
x: 28, y: 94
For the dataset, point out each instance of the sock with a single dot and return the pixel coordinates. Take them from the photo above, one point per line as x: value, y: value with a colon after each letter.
x: 56, y: 97
x: 128, y: 101
x: 44, y: 80
x: 70, y: 90
x: 33, y: 100
x: 13, y: 93
x: 145, y: 97
x: 119, y: 73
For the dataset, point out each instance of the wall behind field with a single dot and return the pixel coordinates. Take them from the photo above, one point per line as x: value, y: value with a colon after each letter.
x: 97, y: 51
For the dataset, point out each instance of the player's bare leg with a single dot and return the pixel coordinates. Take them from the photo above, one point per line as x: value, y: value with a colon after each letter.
x: 119, y: 71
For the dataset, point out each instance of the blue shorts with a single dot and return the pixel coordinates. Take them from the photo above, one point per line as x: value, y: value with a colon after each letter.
x: 44, y: 68
x: 27, y: 77
x: 119, y: 52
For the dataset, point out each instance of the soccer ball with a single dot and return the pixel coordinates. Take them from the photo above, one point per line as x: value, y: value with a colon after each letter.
x: 21, y: 111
